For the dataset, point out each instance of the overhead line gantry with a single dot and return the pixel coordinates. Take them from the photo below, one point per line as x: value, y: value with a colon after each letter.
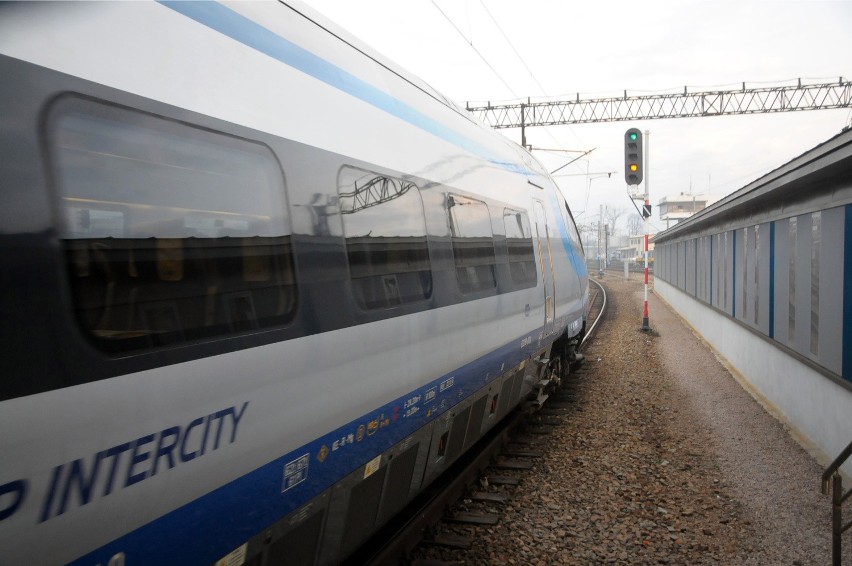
x: 685, y: 104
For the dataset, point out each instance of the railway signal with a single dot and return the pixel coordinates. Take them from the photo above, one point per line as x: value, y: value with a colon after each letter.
x: 634, y: 173
x: 633, y: 170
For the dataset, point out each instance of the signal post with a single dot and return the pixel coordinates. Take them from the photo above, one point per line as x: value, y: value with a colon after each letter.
x: 635, y: 170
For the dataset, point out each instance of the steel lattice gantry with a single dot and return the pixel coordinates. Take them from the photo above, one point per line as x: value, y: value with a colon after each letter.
x: 790, y: 98
x: 373, y: 193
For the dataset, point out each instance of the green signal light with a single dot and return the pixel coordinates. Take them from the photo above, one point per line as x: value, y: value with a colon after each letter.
x: 633, y: 136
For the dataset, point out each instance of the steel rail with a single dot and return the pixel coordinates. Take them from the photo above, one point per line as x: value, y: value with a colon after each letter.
x: 594, y: 325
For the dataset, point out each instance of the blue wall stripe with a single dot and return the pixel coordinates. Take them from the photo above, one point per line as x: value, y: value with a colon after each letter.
x: 695, y: 261
x: 772, y: 279
x: 734, y: 275
x: 711, y: 269
x: 847, y: 294
x: 249, y: 33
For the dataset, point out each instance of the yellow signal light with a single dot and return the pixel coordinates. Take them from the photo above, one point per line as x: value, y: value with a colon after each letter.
x: 634, y: 167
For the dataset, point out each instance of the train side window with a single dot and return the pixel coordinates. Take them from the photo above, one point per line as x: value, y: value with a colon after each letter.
x: 385, y: 230
x: 473, y: 244
x: 171, y: 232
x: 520, y: 245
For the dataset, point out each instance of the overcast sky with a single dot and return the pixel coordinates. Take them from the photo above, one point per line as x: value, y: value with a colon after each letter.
x: 602, y: 48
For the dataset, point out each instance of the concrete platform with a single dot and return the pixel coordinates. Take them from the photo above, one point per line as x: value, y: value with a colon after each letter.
x: 816, y: 409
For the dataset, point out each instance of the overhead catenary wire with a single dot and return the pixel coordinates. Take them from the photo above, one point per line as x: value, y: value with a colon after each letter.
x: 532, y: 75
x: 492, y: 68
x: 509, y: 41
x: 470, y: 42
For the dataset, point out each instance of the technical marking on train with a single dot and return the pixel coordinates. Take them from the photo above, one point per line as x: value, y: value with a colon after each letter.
x: 295, y: 472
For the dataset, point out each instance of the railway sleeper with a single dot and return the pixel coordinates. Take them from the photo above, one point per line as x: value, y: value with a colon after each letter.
x: 489, y: 497
x: 503, y: 480
x: 450, y: 540
x: 506, y: 464
x: 473, y: 518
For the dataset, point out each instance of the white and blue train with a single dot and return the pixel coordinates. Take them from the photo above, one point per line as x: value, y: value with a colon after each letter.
x: 259, y: 286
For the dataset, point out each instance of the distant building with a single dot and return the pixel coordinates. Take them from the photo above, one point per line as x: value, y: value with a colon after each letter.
x: 682, y: 206
x: 636, y: 250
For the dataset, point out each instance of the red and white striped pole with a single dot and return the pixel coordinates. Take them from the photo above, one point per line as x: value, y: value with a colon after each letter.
x: 645, y: 323
x: 646, y: 213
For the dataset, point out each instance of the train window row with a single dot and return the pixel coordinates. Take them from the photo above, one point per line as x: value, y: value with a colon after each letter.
x: 174, y: 233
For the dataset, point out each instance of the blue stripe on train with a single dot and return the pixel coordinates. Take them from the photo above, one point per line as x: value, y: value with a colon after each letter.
x: 249, y: 33
x: 209, y: 527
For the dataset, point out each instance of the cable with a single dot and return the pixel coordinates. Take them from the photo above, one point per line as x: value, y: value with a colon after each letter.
x: 532, y: 75
x: 633, y: 202
x: 439, y: 97
x: 493, y: 70
x: 506, y: 37
x: 481, y: 56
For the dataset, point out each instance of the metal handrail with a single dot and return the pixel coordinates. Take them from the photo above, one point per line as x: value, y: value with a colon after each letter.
x: 832, y: 476
x: 831, y: 469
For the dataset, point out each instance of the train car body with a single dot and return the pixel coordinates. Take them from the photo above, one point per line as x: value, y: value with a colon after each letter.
x: 258, y: 285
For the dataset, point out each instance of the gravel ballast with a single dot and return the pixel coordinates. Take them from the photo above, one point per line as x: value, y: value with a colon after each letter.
x: 663, y: 458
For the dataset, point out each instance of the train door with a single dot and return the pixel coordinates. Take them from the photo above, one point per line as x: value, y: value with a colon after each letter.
x: 546, y: 261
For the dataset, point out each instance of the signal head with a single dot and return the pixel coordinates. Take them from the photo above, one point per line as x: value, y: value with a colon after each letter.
x: 633, y: 156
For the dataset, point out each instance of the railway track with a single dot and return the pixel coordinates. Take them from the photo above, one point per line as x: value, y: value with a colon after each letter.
x: 474, y: 489
x: 597, y: 306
